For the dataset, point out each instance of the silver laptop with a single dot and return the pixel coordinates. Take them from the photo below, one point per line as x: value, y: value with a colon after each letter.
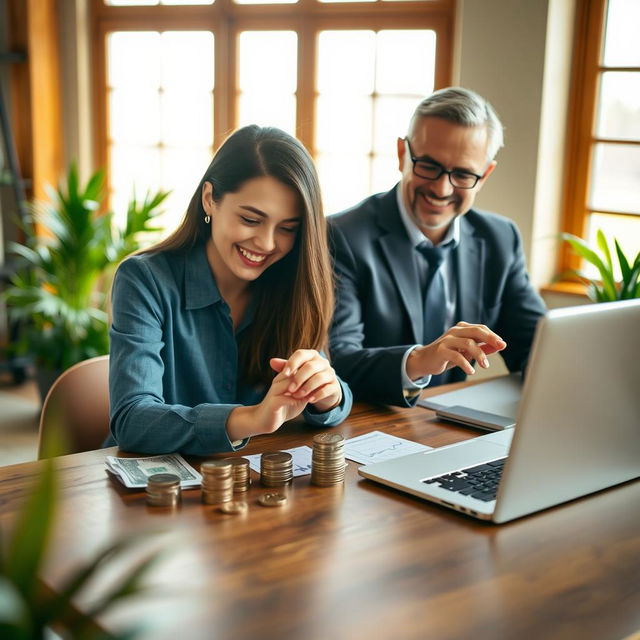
x: 490, y: 405
x: 578, y: 425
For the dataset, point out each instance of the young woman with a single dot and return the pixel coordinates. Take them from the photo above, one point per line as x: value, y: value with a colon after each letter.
x: 217, y: 330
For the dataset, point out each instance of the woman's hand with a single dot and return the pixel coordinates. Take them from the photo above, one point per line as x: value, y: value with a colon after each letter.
x: 311, y: 379
x: 304, y: 378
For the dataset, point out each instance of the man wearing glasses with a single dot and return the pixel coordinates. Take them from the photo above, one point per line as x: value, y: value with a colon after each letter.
x: 427, y: 286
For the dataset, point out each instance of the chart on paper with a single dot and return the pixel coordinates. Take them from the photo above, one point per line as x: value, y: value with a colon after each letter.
x: 377, y: 446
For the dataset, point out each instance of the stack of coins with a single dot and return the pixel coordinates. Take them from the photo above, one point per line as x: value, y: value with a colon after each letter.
x: 163, y: 490
x: 327, y: 459
x: 240, y: 472
x: 217, y: 481
x: 276, y: 468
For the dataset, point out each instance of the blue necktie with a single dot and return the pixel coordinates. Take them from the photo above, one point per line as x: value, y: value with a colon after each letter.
x: 435, y: 302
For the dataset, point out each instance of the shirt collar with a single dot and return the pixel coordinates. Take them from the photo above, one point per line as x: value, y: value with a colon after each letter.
x: 200, y: 285
x: 415, y: 235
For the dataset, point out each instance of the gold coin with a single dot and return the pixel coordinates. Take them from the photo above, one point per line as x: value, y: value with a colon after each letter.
x: 233, y: 507
x: 215, y: 467
x: 272, y: 499
x: 328, y: 438
x: 276, y: 457
x: 237, y: 462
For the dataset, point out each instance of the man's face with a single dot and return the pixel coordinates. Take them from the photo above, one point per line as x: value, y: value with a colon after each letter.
x: 433, y: 204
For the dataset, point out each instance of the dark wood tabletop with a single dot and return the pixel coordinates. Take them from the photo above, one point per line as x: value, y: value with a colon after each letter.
x: 355, y: 561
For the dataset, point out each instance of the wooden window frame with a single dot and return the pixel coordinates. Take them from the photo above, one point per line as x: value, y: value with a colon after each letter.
x: 581, y: 140
x: 226, y: 19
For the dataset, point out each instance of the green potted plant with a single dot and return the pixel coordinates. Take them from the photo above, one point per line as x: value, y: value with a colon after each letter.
x: 27, y: 610
x: 58, y: 295
x: 606, y: 288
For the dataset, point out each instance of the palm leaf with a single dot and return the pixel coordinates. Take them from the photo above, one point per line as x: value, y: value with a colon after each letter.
x: 625, y: 269
x: 630, y: 284
x: 70, y: 268
x: 586, y: 252
x: 30, y: 537
x: 15, y: 621
x: 58, y: 605
x: 604, y: 247
x: 130, y: 585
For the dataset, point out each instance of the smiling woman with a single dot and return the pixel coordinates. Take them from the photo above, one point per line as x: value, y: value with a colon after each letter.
x: 218, y: 331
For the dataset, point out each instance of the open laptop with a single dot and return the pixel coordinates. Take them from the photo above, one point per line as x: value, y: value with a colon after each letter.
x: 578, y: 425
x: 490, y: 405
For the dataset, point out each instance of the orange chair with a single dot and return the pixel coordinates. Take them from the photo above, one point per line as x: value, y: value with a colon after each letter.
x: 77, y: 405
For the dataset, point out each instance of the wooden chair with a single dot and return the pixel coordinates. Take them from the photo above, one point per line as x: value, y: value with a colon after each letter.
x: 77, y: 405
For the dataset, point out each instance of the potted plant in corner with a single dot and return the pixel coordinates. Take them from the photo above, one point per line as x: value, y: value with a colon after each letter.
x: 58, y: 294
x: 606, y: 288
x: 30, y: 612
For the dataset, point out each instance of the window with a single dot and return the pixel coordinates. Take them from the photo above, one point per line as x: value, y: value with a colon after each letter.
x: 344, y: 77
x: 160, y: 125
x: 603, y: 177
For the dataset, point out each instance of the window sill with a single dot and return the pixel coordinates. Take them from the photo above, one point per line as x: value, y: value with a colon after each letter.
x: 565, y: 287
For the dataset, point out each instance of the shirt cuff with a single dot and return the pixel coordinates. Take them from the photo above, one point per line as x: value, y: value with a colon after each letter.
x: 334, y: 416
x: 211, y: 428
x: 407, y: 383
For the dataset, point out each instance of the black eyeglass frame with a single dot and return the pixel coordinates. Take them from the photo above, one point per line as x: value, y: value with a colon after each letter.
x: 415, y: 160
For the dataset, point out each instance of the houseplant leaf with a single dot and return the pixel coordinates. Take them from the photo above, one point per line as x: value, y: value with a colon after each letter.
x: 625, y: 268
x: 15, y: 622
x: 26, y: 547
x: 66, y: 265
x: 58, y: 608
x: 586, y: 252
x: 603, y: 245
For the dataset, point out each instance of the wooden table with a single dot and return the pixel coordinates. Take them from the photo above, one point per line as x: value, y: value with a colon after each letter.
x: 358, y: 561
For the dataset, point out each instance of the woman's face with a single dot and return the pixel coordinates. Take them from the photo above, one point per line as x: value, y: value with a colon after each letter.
x: 251, y: 229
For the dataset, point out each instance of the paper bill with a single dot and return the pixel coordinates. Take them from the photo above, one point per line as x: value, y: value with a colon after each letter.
x: 377, y: 446
x: 133, y: 472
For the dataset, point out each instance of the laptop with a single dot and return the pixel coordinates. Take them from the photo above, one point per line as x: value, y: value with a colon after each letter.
x: 490, y: 405
x: 578, y: 425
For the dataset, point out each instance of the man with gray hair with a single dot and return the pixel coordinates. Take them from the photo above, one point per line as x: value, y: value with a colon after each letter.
x: 426, y: 285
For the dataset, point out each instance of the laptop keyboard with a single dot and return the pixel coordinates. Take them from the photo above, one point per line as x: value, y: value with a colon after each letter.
x: 479, y: 482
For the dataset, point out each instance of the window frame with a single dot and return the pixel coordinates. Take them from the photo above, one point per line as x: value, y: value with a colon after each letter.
x: 227, y: 19
x: 587, y: 69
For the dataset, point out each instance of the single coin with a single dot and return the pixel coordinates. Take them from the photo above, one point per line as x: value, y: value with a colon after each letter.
x: 328, y: 438
x: 272, y: 499
x: 216, y: 467
x: 276, y: 456
x: 164, y: 480
x: 233, y: 507
x: 237, y: 462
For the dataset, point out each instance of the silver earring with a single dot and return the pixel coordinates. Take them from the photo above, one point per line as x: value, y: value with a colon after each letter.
x: 207, y: 219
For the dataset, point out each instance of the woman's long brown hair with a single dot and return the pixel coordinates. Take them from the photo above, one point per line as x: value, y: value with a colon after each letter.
x: 294, y: 297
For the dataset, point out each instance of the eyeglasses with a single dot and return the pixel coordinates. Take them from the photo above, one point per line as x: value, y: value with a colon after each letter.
x: 432, y: 170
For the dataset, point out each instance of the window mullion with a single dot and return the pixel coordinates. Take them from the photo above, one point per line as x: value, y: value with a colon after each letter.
x: 224, y: 105
x: 305, y: 93
x: 587, y: 54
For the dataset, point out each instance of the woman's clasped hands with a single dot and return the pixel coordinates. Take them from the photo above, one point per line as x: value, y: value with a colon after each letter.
x: 305, y: 378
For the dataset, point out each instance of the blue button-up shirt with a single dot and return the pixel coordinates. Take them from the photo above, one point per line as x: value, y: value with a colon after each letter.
x: 173, y: 375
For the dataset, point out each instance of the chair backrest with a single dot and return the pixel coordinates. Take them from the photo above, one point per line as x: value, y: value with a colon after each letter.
x: 78, y: 406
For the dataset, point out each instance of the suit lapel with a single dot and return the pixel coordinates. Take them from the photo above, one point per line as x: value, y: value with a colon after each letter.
x: 397, y: 249
x: 469, y: 262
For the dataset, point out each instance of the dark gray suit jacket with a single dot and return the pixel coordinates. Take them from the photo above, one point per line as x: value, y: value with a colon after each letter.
x: 379, y: 313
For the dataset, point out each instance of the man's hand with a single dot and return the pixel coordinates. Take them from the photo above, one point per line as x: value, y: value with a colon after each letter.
x: 458, y: 347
